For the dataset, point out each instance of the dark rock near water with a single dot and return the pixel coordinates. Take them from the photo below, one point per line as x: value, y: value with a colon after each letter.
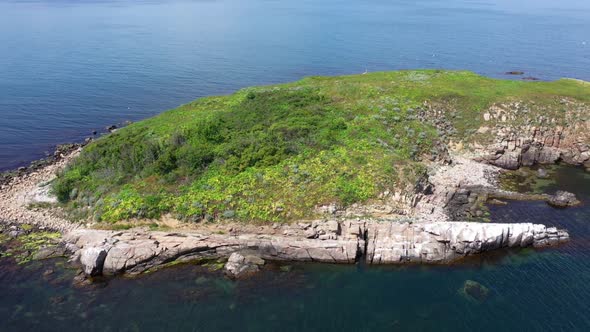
x: 50, y: 252
x: 242, y: 265
x: 48, y: 272
x: 508, y: 160
x: 563, y: 199
x: 542, y: 173
x: 111, y: 128
x: 475, y: 291
x: 495, y: 201
x: 347, y: 241
x: 515, y: 72
x: 92, y: 260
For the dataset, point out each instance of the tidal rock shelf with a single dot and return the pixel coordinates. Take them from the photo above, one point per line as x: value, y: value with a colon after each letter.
x: 133, y: 252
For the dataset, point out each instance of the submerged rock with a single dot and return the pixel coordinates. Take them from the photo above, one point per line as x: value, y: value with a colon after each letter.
x: 542, y: 173
x: 239, y: 265
x: 563, y: 199
x: 475, y: 291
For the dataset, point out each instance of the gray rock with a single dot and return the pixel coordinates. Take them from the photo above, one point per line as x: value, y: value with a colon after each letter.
x: 49, y: 252
x: 508, y: 160
x: 529, y: 156
x: 549, y: 155
x: 239, y: 265
x: 311, y: 233
x: 332, y: 226
x: 383, y: 242
x: 92, y: 260
x: 542, y: 173
x: 15, y: 233
x: 563, y: 199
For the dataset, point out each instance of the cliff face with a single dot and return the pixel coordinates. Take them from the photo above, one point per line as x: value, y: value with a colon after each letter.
x: 522, y: 138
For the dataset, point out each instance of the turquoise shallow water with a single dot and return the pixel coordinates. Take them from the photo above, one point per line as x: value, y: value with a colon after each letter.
x: 530, y: 290
x: 68, y: 67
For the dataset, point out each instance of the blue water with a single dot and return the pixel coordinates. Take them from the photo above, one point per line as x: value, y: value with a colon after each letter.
x: 68, y: 67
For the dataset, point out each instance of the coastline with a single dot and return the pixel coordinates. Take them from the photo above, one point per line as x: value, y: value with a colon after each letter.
x: 424, y: 237
x: 27, y: 187
x: 429, y: 208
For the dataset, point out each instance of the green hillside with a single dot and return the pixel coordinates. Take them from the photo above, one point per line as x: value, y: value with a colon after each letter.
x: 273, y: 153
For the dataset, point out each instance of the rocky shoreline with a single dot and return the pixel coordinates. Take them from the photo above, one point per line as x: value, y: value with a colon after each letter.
x: 425, y: 235
x: 345, y: 242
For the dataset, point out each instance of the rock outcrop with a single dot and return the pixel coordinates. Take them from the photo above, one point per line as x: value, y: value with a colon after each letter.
x: 447, y: 241
x: 240, y: 265
x: 92, y: 259
x: 521, y: 139
x: 385, y: 242
x: 563, y: 199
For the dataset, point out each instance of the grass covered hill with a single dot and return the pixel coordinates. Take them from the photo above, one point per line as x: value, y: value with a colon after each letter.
x: 274, y: 153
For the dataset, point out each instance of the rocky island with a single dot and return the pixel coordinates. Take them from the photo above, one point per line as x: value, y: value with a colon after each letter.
x: 391, y: 167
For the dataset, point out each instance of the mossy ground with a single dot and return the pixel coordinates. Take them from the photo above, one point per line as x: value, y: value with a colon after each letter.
x: 274, y: 153
x: 24, y: 247
x: 526, y: 179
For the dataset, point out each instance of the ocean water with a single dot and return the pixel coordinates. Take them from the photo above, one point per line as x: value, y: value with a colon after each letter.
x: 529, y: 290
x: 69, y: 67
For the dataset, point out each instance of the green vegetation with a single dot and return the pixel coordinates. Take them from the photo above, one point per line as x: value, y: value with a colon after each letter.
x: 274, y: 153
x: 526, y: 180
x: 24, y: 248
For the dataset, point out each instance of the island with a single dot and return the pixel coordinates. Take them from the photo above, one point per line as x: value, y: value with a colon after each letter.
x: 384, y: 168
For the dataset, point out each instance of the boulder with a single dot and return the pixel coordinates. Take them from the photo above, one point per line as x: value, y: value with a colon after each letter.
x: 530, y: 155
x: 563, y: 199
x: 542, y: 173
x: 548, y: 155
x: 92, y: 260
x: 242, y: 265
x: 508, y: 160
x: 311, y: 233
